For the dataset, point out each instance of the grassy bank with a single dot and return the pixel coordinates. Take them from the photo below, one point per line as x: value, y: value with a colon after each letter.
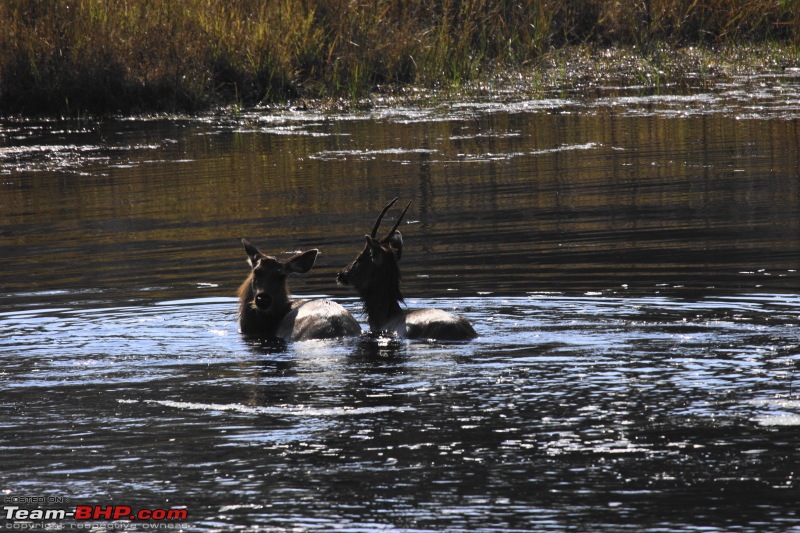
x: 96, y: 56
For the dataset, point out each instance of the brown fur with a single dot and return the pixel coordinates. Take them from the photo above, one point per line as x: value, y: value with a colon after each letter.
x: 266, y: 308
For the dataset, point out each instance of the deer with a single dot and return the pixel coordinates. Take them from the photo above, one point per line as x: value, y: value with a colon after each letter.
x: 375, y: 274
x: 267, y: 310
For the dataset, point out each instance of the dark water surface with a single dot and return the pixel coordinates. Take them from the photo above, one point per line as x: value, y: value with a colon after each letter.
x: 630, y: 262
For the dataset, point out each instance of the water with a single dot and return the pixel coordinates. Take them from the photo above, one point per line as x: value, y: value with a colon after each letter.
x: 629, y: 260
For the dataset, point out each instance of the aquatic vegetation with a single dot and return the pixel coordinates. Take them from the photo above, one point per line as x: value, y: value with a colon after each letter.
x: 78, y: 56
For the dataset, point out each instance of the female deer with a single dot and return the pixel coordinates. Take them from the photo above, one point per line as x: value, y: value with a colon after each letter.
x: 376, y: 276
x: 266, y: 309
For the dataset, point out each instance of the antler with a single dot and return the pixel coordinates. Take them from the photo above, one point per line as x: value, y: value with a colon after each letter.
x: 380, y: 217
x: 399, y: 219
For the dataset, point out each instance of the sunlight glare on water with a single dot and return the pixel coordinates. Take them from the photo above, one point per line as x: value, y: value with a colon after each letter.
x: 651, y: 388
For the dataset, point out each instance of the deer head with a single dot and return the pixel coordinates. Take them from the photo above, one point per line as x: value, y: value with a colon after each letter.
x: 377, y: 263
x: 266, y: 288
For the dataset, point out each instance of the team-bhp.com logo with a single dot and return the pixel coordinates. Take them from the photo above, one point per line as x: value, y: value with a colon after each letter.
x: 16, y: 513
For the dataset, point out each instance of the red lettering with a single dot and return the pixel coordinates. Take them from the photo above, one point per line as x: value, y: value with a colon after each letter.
x: 103, y: 512
x: 177, y: 514
x: 122, y: 511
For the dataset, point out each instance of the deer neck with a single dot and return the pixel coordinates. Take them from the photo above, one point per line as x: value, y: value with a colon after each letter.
x: 380, y: 313
x: 381, y: 301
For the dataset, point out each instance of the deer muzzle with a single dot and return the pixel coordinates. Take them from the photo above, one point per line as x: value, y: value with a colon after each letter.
x: 263, y: 301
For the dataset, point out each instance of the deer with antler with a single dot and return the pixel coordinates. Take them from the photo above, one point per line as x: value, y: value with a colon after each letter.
x: 375, y: 274
x: 266, y: 308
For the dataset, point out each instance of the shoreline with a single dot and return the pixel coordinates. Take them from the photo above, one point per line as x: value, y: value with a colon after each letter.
x: 574, y: 70
x: 567, y: 70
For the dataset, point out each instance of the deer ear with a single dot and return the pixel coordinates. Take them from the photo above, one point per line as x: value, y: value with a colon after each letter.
x: 396, y: 244
x: 252, y: 252
x: 302, y: 262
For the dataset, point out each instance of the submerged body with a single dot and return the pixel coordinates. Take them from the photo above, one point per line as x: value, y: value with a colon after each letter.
x: 435, y: 324
x: 266, y: 309
x: 305, y: 319
x: 375, y: 274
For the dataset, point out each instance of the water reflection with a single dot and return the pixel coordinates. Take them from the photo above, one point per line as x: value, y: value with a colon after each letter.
x: 553, y: 194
